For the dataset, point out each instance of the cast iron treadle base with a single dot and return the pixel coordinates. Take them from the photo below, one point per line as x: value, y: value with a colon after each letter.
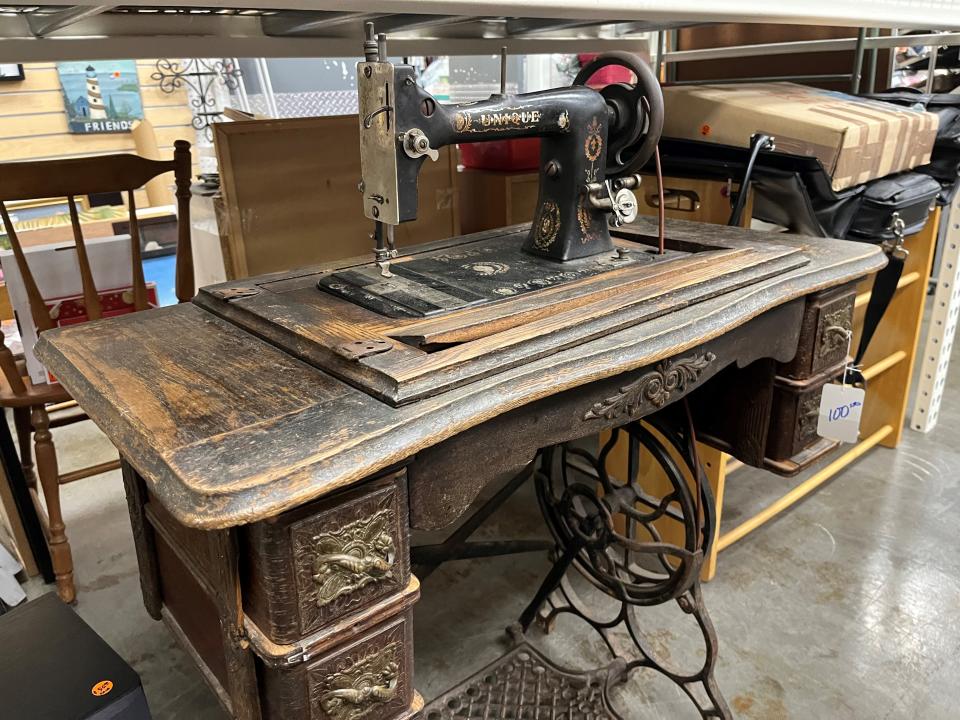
x: 523, y: 684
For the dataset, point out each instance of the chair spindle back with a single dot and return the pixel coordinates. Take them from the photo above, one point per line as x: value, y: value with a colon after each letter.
x: 83, y: 176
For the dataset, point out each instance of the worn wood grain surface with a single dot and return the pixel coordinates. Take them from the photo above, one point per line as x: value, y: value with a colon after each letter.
x: 471, y: 343
x: 227, y: 429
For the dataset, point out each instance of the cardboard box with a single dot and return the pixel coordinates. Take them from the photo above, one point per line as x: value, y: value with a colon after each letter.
x: 855, y: 139
x: 56, y: 271
x: 290, y: 197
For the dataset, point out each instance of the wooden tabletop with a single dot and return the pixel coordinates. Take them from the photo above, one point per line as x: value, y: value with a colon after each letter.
x: 228, y: 429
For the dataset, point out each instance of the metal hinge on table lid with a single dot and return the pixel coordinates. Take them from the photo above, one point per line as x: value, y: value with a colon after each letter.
x: 236, y: 292
x: 359, y: 349
x: 274, y: 654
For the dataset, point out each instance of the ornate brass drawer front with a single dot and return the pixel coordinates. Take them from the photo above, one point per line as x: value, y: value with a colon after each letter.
x: 369, y: 679
x: 827, y: 325
x: 334, y: 558
x: 365, y: 675
x: 834, y: 333
x: 349, y: 556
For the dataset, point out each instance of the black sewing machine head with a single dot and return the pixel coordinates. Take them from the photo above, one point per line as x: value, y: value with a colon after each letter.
x: 592, y: 144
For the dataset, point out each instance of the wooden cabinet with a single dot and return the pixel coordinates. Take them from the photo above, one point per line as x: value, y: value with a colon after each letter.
x: 290, y: 197
x: 321, y: 594
x: 491, y: 199
x: 824, y: 335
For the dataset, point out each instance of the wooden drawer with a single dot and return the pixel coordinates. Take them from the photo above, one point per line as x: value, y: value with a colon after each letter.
x: 317, y: 564
x: 370, y: 678
x: 827, y: 320
x: 794, y: 412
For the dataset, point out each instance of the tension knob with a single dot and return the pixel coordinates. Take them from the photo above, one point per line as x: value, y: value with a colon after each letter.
x: 416, y: 144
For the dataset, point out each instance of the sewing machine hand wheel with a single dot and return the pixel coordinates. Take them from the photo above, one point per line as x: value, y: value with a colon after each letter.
x: 636, y: 112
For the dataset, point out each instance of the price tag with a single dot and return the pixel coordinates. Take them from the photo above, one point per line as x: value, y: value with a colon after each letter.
x: 840, y: 408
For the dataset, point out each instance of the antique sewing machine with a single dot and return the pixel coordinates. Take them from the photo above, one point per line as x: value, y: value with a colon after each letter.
x: 282, y: 435
x: 408, y: 326
x: 593, y: 145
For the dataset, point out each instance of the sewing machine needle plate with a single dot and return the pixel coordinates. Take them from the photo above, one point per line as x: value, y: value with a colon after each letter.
x: 454, y: 278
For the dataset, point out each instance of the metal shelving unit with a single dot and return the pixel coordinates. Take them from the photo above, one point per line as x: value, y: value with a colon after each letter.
x: 935, y: 354
x: 313, y: 28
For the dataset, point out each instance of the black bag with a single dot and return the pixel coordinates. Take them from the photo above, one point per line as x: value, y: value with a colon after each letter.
x: 892, y: 208
x: 789, y: 190
x: 894, y: 205
x: 948, y: 131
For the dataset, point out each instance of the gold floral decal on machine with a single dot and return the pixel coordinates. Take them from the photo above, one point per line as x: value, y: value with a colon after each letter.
x: 356, y: 555
x: 592, y: 147
x: 359, y: 686
x: 583, y: 219
x: 547, y: 225
x: 654, y: 388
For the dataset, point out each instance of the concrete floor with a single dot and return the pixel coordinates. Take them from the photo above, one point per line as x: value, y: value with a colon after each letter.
x: 846, y: 606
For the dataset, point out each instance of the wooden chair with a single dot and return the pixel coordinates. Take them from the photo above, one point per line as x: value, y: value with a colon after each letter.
x: 32, y: 403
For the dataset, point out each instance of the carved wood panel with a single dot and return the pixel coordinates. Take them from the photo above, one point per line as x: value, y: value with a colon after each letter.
x: 653, y: 389
x: 834, y: 330
x: 368, y: 680
x: 350, y: 555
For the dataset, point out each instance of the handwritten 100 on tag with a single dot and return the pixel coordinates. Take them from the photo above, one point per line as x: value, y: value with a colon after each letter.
x: 840, y: 410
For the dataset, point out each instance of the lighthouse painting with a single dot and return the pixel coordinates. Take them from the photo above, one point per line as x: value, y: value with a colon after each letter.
x: 101, y: 96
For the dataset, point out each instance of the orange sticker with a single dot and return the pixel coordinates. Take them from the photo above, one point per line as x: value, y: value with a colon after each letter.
x: 102, y: 688
x: 705, y: 130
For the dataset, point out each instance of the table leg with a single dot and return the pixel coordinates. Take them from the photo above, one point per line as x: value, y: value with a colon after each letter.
x: 13, y: 469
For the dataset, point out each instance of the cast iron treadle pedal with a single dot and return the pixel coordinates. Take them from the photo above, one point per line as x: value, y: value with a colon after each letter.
x: 525, y: 684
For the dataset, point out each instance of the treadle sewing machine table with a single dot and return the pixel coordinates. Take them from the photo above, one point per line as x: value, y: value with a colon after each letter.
x: 280, y: 441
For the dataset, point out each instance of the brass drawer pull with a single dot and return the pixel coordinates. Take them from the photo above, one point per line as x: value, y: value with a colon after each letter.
x: 350, y: 693
x: 356, y: 555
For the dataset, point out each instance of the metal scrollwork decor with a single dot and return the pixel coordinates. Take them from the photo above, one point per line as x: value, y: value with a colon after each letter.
x: 627, y: 542
x: 198, y: 76
x: 354, y: 556
x: 654, y: 388
x: 359, y: 686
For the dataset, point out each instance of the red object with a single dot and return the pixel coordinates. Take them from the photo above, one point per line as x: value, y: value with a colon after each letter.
x: 608, y: 75
x: 519, y: 154
x: 71, y: 310
x: 119, y: 301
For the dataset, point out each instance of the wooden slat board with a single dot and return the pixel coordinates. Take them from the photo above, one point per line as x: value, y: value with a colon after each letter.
x: 228, y: 429
x: 492, y: 337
